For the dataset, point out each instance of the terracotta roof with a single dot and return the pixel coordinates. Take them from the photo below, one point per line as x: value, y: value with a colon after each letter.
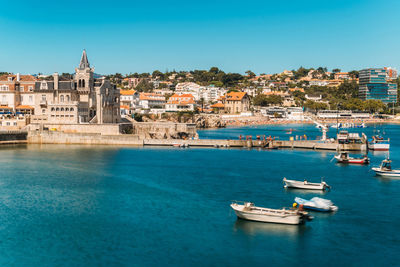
x: 124, y: 106
x: 24, y: 107
x: 236, y: 96
x: 180, y: 102
x: 5, y: 107
x: 23, y: 78
x: 183, y: 99
x: 151, y: 96
x: 218, y: 105
x: 127, y: 92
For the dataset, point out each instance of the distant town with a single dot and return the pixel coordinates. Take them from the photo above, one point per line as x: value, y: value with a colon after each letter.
x: 87, y: 98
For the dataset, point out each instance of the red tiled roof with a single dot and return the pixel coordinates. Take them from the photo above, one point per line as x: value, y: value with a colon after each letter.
x: 236, y: 96
x: 24, y: 107
x: 23, y: 78
x: 127, y: 92
x: 217, y: 105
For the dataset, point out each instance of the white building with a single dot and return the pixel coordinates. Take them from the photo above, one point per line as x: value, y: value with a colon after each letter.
x: 151, y: 101
x: 183, y: 102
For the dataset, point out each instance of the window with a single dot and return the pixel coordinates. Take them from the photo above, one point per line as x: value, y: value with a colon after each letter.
x: 72, y: 109
x: 15, y: 124
x: 43, y: 97
x: 21, y: 88
x: 66, y: 109
x: 10, y: 79
x: 52, y: 109
x: 30, y: 88
x: 43, y: 85
x: 8, y: 123
x: 30, y: 98
x: 61, y: 98
x: 57, y: 109
x: 62, y: 109
x: 4, y: 88
x: 43, y: 111
x: 21, y: 98
x: 67, y: 98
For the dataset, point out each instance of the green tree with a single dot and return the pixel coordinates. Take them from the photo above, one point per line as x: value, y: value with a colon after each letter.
x: 144, y: 86
x: 374, y: 106
x: 250, y: 74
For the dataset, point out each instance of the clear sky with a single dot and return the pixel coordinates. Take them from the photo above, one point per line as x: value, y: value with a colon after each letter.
x: 141, y: 36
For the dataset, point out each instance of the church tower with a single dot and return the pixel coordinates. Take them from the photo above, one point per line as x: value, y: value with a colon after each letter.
x: 84, y: 75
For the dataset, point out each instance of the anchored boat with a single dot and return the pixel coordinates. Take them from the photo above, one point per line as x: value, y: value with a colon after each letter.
x: 305, y: 184
x: 344, y: 157
x: 248, y: 211
x: 377, y: 143
x: 385, y: 169
x: 317, y: 204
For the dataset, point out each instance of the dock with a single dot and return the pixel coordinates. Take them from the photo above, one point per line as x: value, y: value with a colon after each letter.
x: 54, y: 137
x: 273, y: 144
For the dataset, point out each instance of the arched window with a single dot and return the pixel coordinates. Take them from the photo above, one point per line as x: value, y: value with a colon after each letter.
x: 72, y: 109
x: 57, y: 109
x: 80, y: 83
x: 67, y: 98
x: 62, y: 109
x: 61, y: 98
x: 66, y: 109
x: 52, y: 109
x: 83, y: 83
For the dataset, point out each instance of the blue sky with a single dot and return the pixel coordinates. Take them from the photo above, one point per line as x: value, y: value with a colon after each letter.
x: 142, y: 36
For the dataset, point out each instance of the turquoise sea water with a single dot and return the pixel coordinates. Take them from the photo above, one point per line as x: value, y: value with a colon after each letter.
x: 118, y: 206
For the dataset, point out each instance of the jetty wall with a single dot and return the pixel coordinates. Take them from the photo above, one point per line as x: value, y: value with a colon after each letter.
x: 54, y: 137
x: 13, y: 137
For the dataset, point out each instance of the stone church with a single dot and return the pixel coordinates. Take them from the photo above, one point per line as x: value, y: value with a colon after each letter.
x: 82, y: 99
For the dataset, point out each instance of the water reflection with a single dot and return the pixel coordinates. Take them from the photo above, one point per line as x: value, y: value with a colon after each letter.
x: 273, y: 229
x: 387, y: 179
x: 304, y: 191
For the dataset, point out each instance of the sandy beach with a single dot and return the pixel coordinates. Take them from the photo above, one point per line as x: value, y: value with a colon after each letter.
x: 259, y: 120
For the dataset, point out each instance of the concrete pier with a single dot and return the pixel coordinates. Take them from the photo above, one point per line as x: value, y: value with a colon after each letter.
x: 13, y: 137
x: 53, y: 137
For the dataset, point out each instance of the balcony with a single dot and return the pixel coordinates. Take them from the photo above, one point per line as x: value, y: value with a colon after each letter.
x: 43, y: 102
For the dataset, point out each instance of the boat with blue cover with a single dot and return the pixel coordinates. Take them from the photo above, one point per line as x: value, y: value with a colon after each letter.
x: 317, y: 204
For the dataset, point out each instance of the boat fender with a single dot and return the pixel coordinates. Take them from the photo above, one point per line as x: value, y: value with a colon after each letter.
x: 294, y: 205
x: 301, y: 207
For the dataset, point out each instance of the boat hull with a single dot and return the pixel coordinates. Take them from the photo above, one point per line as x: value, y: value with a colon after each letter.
x: 303, y: 185
x: 290, y: 218
x: 379, y: 146
x: 386, y: 173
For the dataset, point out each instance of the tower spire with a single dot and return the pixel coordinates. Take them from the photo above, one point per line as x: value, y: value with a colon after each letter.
x: 84, y: 61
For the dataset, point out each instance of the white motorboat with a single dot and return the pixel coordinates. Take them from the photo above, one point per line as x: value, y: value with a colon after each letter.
x: 248, y: 211
x: 385, y: 169
x: 317, y: 204
x: 305, y: 184
x: 377, y: 143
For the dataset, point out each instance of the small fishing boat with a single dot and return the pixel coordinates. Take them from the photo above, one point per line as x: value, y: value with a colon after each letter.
x: 385, y: 169
x: 377, y: 143
x: 344, y: 157
x: 305, y: 184
x: 317, y: 204
x: 248, y: 211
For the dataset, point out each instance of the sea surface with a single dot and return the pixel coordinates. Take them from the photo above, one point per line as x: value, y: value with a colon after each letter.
x: 65, y: 205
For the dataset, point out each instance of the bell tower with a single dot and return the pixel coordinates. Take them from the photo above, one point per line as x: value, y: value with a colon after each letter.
x: 84, y: 75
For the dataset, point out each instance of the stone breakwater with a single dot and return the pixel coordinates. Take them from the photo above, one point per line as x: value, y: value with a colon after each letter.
x: 209, y: 121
